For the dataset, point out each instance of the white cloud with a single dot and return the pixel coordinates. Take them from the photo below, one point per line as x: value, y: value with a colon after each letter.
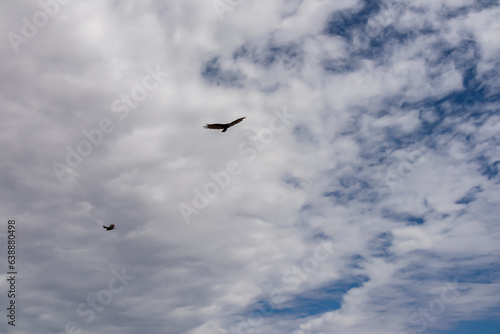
x: 358, y: 115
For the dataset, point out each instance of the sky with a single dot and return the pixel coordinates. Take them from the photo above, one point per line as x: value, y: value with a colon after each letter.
x: 359, y: 195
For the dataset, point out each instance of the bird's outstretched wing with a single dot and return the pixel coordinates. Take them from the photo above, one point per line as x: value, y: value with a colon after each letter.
x: 215, y: 126
x: 236, y: 121
x: 224, y: 127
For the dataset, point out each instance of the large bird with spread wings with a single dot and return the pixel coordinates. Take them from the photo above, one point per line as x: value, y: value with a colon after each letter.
x: 110, y: 227
x: 224, y: 127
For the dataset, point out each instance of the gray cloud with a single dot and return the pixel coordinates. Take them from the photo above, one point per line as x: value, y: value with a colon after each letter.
x: 359, y: 111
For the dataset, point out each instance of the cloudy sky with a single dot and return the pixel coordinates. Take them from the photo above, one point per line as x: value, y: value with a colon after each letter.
x: 359, y: 195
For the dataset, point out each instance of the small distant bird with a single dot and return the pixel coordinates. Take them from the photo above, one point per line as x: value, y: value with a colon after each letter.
x: 223, y: 126
x: 110, y: 227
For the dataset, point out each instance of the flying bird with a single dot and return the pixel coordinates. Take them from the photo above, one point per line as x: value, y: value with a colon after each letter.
x: 223, y: 126
x: 110, y: 227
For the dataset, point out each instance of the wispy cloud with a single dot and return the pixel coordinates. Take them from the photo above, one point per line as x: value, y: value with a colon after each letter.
x: 371, y: 126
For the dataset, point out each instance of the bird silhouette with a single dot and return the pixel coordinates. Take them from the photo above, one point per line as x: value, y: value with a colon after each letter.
x: 110, y: 227
x: 226, y: 126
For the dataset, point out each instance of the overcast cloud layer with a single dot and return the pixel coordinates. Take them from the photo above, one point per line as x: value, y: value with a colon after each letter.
x: 359, y: 195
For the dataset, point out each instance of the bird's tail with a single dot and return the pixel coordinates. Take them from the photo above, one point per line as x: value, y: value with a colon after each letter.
x: 104, y: 227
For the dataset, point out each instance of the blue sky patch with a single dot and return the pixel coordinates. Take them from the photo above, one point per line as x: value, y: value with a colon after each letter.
x: 309, y: 303
x: 486, y: 326
x: 213, y: 73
